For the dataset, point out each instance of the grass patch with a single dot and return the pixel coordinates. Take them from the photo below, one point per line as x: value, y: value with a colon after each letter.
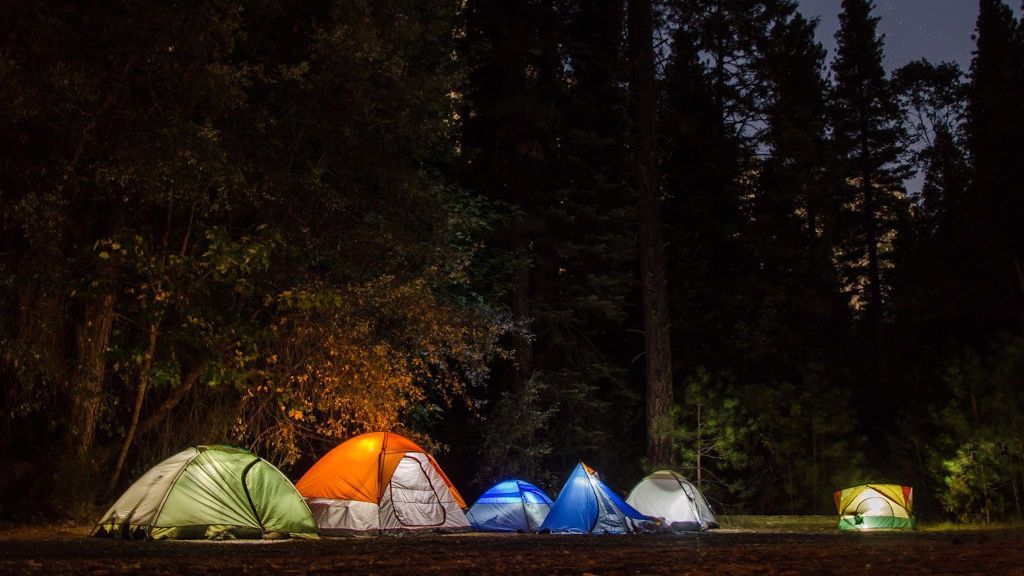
x: 779, y: 523
x: 955, y: 527
x: 828, y: 524
x: 42, y: 532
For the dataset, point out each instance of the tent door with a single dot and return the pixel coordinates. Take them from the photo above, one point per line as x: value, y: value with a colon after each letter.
x: 413, y: 497
x: 875, y: 506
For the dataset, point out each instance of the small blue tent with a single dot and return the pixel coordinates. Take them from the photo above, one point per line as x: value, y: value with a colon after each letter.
x: 586, y: 506
x: 510, y: 506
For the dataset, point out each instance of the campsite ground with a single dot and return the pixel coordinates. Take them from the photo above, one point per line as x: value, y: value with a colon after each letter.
x: 769, y: 545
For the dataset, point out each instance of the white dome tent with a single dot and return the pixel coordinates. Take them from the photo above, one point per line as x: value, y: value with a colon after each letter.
x: 668, y: 495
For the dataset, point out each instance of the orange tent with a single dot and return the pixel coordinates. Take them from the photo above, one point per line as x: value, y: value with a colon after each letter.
x: 381, y: 481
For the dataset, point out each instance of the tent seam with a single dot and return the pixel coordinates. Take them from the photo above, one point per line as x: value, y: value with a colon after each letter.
x: 174, y: 484
x: 248, y: 495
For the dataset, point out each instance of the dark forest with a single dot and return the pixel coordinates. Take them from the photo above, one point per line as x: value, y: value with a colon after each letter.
x: 639, y: 234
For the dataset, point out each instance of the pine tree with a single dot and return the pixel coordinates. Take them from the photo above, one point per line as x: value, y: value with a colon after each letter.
x: 700, y: 162
x: 792, y: 215
x: 996, y: 140
x: 868, y: 133
x: 730, y: 34
x: 657, y: 348
x: 510, y: 113
x: 934, y: 261
x: 545, y: 140
x: 594, y: 276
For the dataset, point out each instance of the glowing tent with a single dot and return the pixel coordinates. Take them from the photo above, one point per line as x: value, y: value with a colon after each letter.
x: 381, y: 481
x: 586, y: 506
x: 214, y: 492
x: 667, y: 495
x: 875, y: 506
x: 510, y: 506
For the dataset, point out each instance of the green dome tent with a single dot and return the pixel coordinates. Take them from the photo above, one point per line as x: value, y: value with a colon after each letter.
x: 214, y: 492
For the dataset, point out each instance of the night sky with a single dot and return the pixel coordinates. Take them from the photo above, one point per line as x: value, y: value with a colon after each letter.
x: 939, y: 30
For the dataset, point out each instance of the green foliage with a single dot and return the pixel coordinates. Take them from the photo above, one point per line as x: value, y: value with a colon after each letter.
x: 978, y: 457
x: 712, y: 433
x: 759, y: 325
x: 768, y: 446
x: 514, y: 442
x: 281, y: 224
x: 264, y: 192
x: 544, y: 142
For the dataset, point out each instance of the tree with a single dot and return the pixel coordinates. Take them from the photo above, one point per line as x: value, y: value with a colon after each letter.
x: 758, y: 316
x: 219, y: 236
x: 657, y: 349
x: 544, y: 141
x: 699, y: 163
x: 934, y: 258
x: 995, y: 205
x: 868, y: 133
x: 792, y: 208
x: 977, y: 457
x: 790, y: 66
x: 960, y: 294
x: 730, y: 37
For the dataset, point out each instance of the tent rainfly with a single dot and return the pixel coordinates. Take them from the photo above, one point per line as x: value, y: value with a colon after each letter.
x: 586, y: 506
x: 875, y: 506
x: 667, y: 495
x: 213, y: 492
x: 381, y: 482
x: 510, y: 506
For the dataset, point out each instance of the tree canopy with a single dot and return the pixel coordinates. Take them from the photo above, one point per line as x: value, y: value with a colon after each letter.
x: 523, y: 233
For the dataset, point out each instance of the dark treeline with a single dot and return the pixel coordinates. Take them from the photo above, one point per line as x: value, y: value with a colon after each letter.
x: 524, y: 233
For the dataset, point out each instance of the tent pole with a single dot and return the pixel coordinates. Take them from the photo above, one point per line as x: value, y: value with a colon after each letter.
x: 522, y: 504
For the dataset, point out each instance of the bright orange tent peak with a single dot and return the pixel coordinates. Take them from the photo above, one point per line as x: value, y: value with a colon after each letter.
x: 361, y: 467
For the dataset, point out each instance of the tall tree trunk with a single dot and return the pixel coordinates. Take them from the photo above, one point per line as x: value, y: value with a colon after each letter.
x: 652, y: 255
x: 140, y: 397
x: 91, y: 339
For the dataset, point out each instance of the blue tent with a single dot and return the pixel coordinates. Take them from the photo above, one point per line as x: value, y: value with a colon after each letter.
x: 586, y: 506
x: 510, y: 506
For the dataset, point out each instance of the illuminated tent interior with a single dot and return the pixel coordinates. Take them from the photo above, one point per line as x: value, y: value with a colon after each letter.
x: 213, y: 492
x: 587, y: 506
x: 381, y: 481
x: 510, y: 506
x: 875, y: 506
x: 668, y: 495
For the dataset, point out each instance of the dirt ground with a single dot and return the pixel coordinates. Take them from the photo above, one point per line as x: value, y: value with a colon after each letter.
x: 728, y: 551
